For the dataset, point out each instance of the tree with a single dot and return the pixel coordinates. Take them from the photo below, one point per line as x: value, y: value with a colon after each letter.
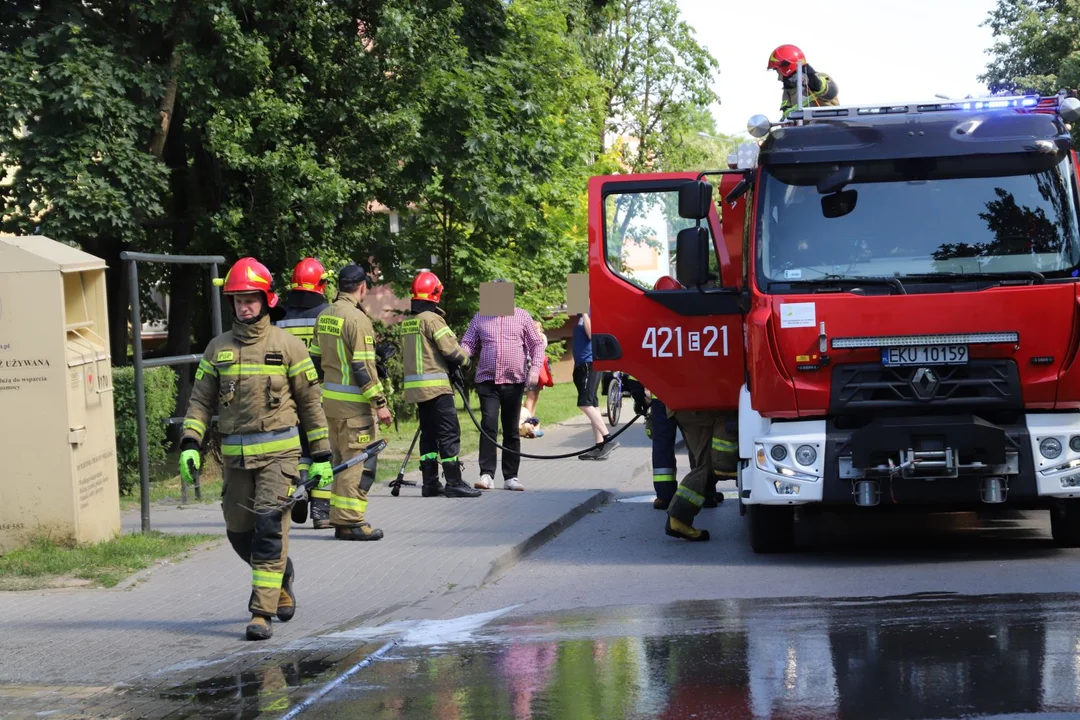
x: 1037, y: 46
x: 656, y: 80
x: 500, y: 171
x: 76, y: 125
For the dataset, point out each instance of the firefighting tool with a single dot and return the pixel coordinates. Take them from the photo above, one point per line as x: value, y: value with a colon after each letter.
x: 302, y: 491
x: 396, y: 483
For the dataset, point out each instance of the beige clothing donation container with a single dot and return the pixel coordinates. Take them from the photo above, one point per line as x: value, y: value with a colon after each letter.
x: 57, y: 431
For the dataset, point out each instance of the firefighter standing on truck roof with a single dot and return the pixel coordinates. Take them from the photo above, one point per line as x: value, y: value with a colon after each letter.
x: 712, y: 439
x: 353, y: 399
x: 818, y: 88
x: 262, y: 383
x: 432, y: 357
x: 306, y: 299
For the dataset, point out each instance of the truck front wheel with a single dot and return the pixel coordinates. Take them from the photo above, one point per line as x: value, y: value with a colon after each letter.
x: 772, y: 528
x: 1065, y: 523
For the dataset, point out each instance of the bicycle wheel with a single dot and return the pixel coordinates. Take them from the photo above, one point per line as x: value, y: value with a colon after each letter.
x: 614, y: 401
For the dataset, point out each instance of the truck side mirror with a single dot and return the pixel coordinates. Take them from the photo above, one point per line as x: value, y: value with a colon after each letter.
x: 692, y: 257
x: 694, y: 199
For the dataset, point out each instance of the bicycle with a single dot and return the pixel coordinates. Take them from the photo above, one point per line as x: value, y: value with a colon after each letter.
x: 614, y: 397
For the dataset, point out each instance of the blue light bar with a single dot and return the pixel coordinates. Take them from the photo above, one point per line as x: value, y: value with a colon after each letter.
x: 1017, y: 102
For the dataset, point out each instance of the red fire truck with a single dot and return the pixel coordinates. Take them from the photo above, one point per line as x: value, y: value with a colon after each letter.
x: 888, y: 296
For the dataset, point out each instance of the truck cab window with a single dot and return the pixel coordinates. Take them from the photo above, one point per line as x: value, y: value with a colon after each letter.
x: 640, y: 229
x: 930, y: 218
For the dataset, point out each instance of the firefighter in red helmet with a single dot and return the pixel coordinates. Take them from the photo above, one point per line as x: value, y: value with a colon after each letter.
x: 306, y: 299
x: 262, y: 384
x: 818, y: 88
x: 432, y: 358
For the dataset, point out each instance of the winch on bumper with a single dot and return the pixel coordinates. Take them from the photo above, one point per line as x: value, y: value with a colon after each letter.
x: 951, y: 461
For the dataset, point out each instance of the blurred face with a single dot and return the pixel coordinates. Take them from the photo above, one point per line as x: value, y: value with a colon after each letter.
x: 247, y: 306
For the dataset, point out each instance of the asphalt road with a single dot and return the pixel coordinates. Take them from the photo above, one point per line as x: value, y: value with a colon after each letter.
x: 620, y: 555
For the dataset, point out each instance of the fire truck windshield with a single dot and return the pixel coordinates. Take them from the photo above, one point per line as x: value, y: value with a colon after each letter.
x: 926, y: 218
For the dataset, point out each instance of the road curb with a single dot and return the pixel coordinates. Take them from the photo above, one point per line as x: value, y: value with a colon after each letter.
x: 549, y: 532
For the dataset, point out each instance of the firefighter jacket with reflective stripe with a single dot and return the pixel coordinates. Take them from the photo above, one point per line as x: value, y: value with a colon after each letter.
x: 351, y: 385
x: 429, y: 348
x: 824, y: 92
x: 299, y: 320
x: 262, y: 383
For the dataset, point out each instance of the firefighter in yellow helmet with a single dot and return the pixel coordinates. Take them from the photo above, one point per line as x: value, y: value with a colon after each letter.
x: 262, y: 384
x: 353, y: 399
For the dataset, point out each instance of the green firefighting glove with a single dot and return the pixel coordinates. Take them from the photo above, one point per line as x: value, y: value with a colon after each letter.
x: 190, y: 463
x: 322, y: 470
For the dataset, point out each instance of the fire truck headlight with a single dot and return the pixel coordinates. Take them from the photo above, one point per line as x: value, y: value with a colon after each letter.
x: 1074, y: 443
x: 1050, y: 448
x: 805, y: 455
x: 778, y: 453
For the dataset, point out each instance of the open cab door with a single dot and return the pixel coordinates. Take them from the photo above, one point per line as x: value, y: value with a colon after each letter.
x: 684, y: 344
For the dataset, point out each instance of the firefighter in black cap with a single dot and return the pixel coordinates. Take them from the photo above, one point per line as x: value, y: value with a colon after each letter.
x: 353, y: 400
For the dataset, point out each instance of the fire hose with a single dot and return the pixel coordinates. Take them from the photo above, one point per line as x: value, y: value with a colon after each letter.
x: 561, y: 456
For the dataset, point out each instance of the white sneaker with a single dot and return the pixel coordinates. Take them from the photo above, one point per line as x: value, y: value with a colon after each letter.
x: 512, y: 484
x: 486, y: 482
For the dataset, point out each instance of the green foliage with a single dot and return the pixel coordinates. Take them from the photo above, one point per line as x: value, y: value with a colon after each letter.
x: 293, y: 125
x: 74, y: 125
x: 160, y: 385
x: 657, y: 81
x: 394, y: 384
x: 1036, y: 47
x: 500, y: 171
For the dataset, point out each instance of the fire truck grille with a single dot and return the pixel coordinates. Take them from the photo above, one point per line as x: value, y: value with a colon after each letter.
x: 979, y: 385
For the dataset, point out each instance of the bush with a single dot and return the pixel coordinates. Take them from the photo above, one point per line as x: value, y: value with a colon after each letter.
x: 395, y: 396
x: 160, y: 383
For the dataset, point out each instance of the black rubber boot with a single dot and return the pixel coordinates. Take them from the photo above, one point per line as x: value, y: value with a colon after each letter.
x: 287, y: 600
x: 455, y: 486
x: 259, y: 628
x: 363, y: 531
x: 432, y: 487
x: 320, y: 513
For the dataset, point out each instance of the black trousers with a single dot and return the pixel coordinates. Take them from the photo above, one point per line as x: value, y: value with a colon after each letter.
x: 440, y: 433
x: 504, y: 401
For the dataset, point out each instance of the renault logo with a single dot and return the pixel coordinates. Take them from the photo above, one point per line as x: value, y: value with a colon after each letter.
x: 924, y: 383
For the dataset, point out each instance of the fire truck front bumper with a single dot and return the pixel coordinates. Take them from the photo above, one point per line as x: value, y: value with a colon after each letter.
x: 971, y: 462
x: 787, y: 465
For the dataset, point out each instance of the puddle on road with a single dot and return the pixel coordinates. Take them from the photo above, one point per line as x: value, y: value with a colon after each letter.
x: 936, y: 656
x: 925, y: 656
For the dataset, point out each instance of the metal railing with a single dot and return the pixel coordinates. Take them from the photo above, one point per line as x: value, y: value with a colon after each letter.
x: 132, y: 259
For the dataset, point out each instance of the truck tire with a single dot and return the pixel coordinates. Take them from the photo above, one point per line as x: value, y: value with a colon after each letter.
x: 772, y: 528
x: 1065, y: 523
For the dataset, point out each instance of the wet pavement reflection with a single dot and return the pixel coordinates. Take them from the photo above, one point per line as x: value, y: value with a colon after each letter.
x: 915, y: 657
x: 924, y: 656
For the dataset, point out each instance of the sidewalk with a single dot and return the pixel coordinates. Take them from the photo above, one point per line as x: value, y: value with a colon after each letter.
x: 181, y: 617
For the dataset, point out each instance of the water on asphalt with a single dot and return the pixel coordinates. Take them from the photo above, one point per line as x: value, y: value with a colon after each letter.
x: 922, y: 656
